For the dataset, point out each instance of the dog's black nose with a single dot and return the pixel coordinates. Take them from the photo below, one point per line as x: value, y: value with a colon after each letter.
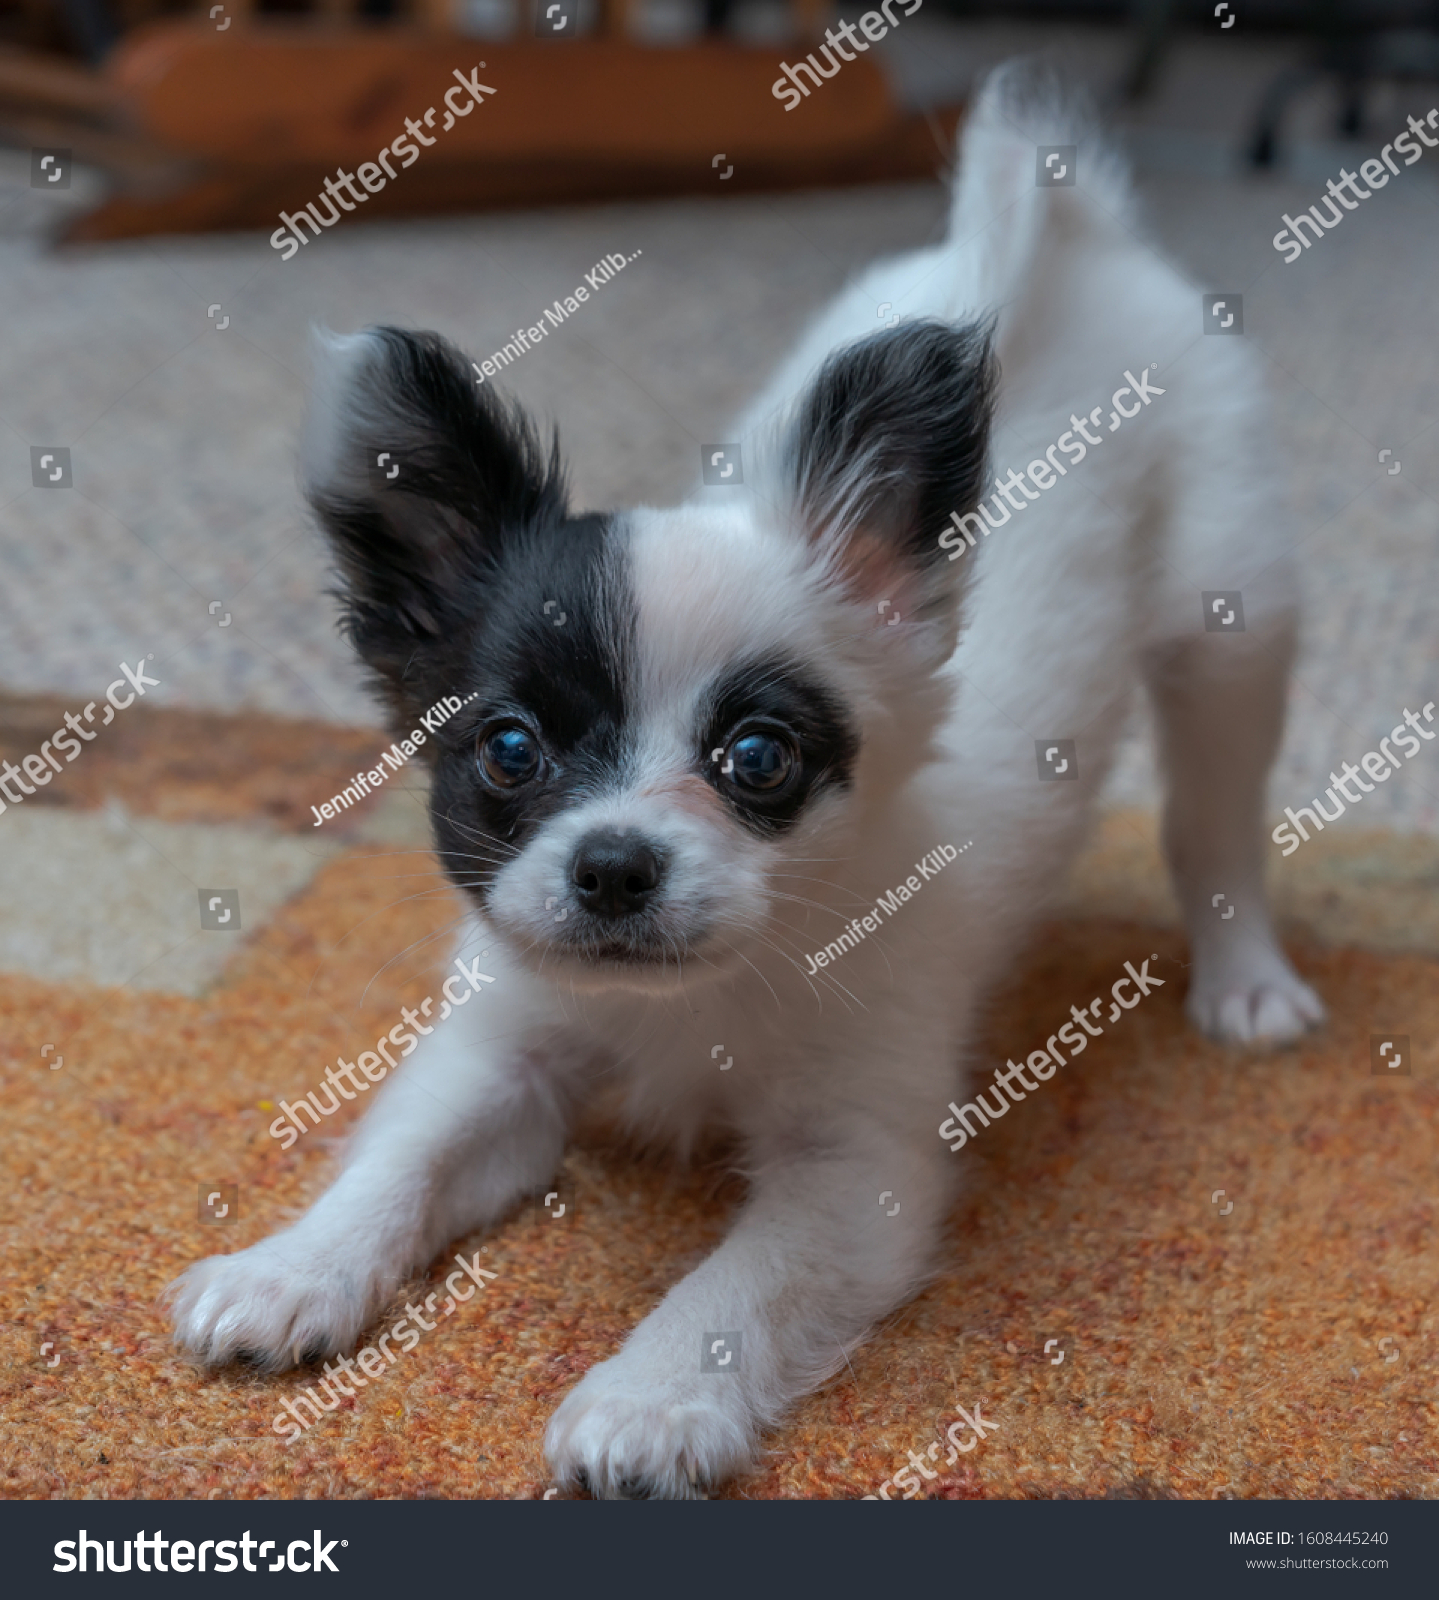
x: 615, y: 874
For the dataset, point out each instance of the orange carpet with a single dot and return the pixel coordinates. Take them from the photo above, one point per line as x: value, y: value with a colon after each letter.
x: 1284, y: 1348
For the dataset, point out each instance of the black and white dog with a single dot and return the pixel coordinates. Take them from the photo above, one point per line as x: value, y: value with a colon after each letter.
x: 762, y: 710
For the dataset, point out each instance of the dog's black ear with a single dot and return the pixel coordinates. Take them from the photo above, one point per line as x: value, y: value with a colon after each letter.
x: 889, y: 438
x: 417, y: 475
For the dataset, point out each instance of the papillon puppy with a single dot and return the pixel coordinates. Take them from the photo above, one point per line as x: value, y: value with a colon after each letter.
x: 703, y: 750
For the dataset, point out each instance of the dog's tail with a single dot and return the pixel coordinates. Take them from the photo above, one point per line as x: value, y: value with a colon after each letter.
x: 1031, y: 157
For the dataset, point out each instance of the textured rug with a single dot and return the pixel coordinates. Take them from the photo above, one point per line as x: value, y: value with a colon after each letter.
x: 1178, y: 1271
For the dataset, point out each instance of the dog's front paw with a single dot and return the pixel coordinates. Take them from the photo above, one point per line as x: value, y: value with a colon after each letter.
x: 630, y: 1432
x: 1259, y: 1002
x: 273, y: 1305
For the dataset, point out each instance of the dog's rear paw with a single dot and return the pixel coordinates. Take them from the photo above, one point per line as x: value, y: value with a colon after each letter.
x: 268, y: 1305
x: 1270, y: 1006
x: 625, y: 1433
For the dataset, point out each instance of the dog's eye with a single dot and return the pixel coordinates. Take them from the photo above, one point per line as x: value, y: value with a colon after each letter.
x: 762, y: 761
x: 509, y: 756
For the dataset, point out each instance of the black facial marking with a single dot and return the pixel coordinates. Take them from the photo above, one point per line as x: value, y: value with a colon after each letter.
x: 775, y: 695
x: 559, y: 672
x: 467, y: 576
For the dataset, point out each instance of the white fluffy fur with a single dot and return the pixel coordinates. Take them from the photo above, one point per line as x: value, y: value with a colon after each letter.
x: 838, y: 1087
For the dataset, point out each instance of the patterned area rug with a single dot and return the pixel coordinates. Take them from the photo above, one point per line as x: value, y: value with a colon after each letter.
x: 1178, y: 1271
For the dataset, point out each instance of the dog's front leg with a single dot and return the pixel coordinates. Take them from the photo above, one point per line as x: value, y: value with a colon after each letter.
x: 474, y: 1120
x: 830, y: 1240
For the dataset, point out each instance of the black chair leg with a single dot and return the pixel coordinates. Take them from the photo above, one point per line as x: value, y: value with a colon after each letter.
x: 91, y: 26
x: 1351, y: 112
x: 1151, y: 21
x: 1264, y: 146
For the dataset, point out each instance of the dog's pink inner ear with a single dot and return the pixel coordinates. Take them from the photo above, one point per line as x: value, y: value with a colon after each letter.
x: 871, y: 569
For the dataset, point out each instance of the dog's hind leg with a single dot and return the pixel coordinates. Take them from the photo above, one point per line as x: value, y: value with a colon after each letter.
x: 1220, y: 704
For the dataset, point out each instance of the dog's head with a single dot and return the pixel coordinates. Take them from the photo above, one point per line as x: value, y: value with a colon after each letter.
x: 676, y: 725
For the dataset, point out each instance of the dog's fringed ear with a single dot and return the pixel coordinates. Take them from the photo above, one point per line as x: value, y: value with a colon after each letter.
x: 889, y: 438
x: 416, y: 474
